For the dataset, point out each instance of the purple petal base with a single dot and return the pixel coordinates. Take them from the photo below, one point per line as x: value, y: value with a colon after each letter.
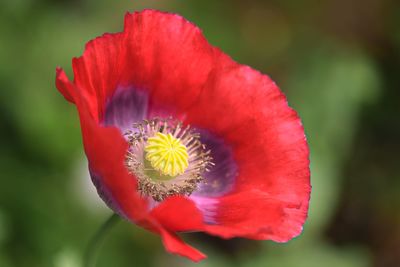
x: 221, y: 178
x: 104, y: 194
x: 125, y: 107
x: 219, y: 181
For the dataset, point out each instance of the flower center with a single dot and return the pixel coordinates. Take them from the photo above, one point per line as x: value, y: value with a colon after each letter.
x: 167, y: 154
x: 166, y: 158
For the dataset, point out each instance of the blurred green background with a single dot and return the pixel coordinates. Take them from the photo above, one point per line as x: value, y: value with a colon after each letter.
x: 338, y: 63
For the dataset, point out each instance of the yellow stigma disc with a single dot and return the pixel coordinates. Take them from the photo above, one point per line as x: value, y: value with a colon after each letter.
x: 167, y: 154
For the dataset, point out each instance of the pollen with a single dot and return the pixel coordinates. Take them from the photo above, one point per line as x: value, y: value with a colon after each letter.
x: 167, y: 154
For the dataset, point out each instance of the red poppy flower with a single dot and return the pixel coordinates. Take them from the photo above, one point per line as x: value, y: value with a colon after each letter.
x: 179, y: 137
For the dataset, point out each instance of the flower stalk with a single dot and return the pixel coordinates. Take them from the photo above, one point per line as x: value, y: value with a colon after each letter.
x: 94, y: 245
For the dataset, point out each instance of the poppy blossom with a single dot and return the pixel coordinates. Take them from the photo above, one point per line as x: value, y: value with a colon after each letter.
x: 179, y: 137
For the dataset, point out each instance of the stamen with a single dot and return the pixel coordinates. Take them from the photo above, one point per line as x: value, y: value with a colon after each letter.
x: 166, y: 158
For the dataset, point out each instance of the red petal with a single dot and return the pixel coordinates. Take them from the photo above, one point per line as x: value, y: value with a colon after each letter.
x: 97, y: 71
x: 175, y: 245
x: 168, y: 56
x: 105, y: 149
x: 178, y: 214
x: 270, y: 200
x: 64, y: 86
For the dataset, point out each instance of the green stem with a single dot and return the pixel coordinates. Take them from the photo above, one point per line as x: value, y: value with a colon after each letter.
x: 95, y: 243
